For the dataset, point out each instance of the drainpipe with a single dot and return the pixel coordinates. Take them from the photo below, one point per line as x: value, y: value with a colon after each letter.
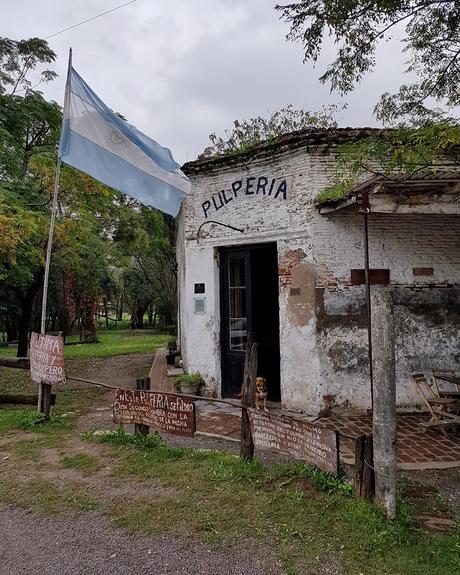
x: 366, y: 211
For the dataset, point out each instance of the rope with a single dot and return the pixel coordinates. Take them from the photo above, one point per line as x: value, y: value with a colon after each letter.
x: 95, y: 382
x: 198, y: 397
x: 89, y: 20
x: 378, y: 472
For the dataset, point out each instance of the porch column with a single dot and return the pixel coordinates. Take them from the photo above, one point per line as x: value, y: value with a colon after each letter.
x: 384, y: 412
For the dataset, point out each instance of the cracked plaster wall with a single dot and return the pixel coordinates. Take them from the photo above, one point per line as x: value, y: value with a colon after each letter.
x: 323, y: 334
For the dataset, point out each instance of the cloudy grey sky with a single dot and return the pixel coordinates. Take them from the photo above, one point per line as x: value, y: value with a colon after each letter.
x: 181, y: 69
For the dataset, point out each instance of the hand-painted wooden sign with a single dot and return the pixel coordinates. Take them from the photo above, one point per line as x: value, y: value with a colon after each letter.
x: 164, y: 412
x: 251, y: 186
x: 47, y: 358
x: 300, y: 439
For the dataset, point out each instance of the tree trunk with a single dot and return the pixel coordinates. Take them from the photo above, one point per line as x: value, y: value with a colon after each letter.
x: 24, y: 321
x: 137, y: 317
x: 120, y: 309
x: 69, y: 313
x: 88, y: 309
x: 106, y: 312
x: 26, y: 302
x: 12, y: 328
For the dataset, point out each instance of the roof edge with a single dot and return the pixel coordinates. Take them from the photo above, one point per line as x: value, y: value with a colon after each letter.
x: 314, y: 137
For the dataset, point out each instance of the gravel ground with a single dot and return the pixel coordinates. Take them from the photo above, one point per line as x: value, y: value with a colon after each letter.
x: 88, y: 545
x: 446, y: 481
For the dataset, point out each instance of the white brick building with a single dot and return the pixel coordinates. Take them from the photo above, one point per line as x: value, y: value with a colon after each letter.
x: 283, y: 272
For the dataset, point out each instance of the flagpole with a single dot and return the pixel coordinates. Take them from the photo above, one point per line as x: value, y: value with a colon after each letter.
x: 49, y: 246
x: 44, y: 390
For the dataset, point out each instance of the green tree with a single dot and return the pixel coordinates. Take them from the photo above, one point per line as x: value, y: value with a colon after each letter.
x: 17, y: 58
x: 423, y: 130
x: 29, y: 133
x: 29, y: 125
x: 431, y: 41
x: 248, y: 133
x: 146, y: 237
x: 99, y: 234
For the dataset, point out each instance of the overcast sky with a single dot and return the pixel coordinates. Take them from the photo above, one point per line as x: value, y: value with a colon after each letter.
x: 181, y: 69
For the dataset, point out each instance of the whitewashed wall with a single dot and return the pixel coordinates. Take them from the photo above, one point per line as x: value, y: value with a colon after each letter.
x: 323, y: 337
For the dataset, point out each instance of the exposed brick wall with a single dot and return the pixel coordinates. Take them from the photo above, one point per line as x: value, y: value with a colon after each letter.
x: 397, y: 242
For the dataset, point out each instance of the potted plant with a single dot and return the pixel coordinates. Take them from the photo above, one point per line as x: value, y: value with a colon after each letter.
x: 189, y: 384
x: 172, y: 351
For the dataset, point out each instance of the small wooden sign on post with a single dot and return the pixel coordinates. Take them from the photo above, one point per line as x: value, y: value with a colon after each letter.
x: 302, y: 440
x: 47, y: 359
x: 162, y: 411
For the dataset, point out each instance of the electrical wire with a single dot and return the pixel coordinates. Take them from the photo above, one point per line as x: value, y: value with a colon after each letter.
x: 89, y: 19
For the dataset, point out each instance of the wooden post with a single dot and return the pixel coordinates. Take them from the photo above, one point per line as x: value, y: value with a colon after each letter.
x: 248, y: 396
x: 364, y: 479
x: 45, y: 397
x: 360, y: 442
x: 142, y: 384
x: 368, y: 487
x: 384, y: 412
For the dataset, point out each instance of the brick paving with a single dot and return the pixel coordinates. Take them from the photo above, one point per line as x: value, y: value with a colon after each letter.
x: 218, y: 419
x: 416, y: 449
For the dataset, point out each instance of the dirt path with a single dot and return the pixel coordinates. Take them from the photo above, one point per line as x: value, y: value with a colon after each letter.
x: 88, y: 544
x: 121, y: 370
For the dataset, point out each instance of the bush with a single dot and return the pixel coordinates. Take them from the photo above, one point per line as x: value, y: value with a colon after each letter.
x: 194, y: 379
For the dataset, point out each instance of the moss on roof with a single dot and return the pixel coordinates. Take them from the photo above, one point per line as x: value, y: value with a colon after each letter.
x: 332, y: 194
x: 307, y: 139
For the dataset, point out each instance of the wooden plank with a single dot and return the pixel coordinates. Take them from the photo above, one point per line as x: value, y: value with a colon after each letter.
x: 47, y: 359
x: 302, y: 440
x: 20, y: 399
x: 162, y: 411
x: 360, y: 442
x: 376, y: 277
x: 368, y: 488
x: 15, y: 362
x: 248, y: 394
x: 142, y: 384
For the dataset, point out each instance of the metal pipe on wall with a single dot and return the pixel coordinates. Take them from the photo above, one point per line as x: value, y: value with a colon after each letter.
x: 366, y: 211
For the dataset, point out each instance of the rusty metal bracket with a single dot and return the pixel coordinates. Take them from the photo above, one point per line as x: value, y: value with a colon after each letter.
x: 219, y: 224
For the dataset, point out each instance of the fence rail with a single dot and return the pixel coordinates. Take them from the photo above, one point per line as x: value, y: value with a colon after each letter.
x: 15, y: 362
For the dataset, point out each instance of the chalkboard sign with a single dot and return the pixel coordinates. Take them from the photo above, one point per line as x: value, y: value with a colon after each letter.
x: 299, y: 439
x: 162, y: 411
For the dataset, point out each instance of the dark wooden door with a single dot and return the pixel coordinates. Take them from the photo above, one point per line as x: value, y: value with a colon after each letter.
x: 236, y: 317
x: 249, y: 308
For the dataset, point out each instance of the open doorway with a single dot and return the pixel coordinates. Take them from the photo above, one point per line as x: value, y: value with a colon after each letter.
x: 249, y: 308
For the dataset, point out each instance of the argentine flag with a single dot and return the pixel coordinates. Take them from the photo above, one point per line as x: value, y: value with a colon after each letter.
x: 101, y: 144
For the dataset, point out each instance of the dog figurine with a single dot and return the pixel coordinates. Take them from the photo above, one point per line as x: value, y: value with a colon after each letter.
x: 261, y: 392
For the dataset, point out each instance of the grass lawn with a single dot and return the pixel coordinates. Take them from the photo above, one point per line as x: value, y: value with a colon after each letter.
x: 306, y: 518
x: 116, y: 343
x: 111, y: 343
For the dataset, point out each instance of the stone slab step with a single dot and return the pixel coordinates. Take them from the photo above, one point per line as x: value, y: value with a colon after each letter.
x: 175, y: 371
